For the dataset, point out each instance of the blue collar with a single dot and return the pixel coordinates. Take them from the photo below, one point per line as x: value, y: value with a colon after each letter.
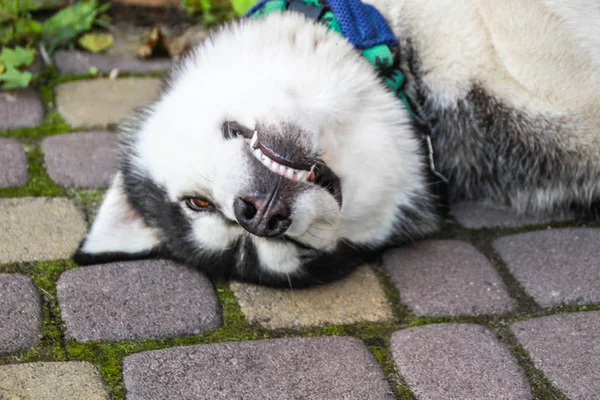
x: 361, y: 24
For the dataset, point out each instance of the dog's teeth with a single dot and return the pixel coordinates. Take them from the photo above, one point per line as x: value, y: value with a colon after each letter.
x: 267, y: 162
x: 254, y: 139
x: 302, y: 175
x: 289, y: 173
x: 282, y: 169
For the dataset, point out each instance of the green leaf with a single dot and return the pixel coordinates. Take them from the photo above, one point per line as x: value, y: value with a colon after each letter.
x: 12, y: 78
x: 96, y: 42
x: 17, y: 57
x: 242, y: 6
x: 69, y: 22
x: 27, y: 29
x: 7, y: 35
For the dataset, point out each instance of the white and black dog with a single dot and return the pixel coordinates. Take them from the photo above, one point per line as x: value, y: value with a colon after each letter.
x: 276, y: 155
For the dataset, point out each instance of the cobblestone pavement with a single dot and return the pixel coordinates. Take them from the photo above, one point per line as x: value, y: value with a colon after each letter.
x: 495, y: 306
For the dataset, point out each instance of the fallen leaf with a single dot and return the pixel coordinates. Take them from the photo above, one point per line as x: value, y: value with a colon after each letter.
x: 96, y: 42
x: 176, y: 46
x: 152, y: 40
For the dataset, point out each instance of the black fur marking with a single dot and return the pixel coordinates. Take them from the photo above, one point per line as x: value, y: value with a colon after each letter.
x: 82, y: 258
x: 490, y: 151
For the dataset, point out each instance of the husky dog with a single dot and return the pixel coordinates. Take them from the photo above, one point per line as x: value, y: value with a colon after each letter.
x: 276, y: 155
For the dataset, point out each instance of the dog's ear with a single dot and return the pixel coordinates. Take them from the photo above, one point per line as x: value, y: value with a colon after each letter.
x: 118, y: 232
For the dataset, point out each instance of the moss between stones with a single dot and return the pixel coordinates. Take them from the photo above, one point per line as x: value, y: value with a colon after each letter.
x: 39, y: 182
x: 540, y: 386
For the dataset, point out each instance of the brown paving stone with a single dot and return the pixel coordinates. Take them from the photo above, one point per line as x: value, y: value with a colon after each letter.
x: 104, y: 101
x: 13, y: 163
x: 476, y: 216
x: 446, y: 277
x: 299, y: 368
x: 457, y: 361
x: 566, y: 348
x: 52, y: 381
x: 20, y: 109
x: 558, y: 266
x: 136, y: 300
x: 357, y: 298
x: 87, y: 159
x: 80, y: 62
x: 39, y: 228
x: 21, y: 317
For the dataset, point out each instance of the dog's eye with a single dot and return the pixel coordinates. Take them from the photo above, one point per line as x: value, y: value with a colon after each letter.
x: 199, y: 204
x: 232, y: 129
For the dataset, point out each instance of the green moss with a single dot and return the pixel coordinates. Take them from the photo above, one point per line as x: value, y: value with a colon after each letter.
x: 384, y: 357
x: 39, y: 183
x: 50, y: 347
x: 541, y: 387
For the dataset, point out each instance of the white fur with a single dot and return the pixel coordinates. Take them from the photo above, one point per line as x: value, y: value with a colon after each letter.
x: 283, y: 69
x: 541, y: 56
x: 347, y: 112
x: 117, y: 227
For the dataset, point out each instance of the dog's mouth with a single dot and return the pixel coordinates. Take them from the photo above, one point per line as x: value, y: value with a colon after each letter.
x: 311, y: 171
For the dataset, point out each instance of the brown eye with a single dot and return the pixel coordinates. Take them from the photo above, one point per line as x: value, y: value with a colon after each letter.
x: 198, y: 204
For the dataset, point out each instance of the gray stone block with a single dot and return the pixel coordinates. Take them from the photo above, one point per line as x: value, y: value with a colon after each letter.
x: 13, y: 163
x: 20, y: 109
x: 446, y: 277
x: 457, y: 361
x: 87, y: 159
x: 299, y: 368
x: 21, y: 317
x: 136, y: 300
x: 104, y: 101
x: 566, y: 348
x: 80, y: 62
x: 476, y: 216
x: 39, y: 228
x: 52, y: 381
x: 558, y: 266
x: 357, y: 298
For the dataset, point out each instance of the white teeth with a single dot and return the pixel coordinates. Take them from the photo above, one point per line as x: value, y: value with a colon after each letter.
x: 254, y: 139
x: 302, y: 175
x: 287, y: 172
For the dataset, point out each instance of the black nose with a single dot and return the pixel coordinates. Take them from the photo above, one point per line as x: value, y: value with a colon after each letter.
x: 260, y: 217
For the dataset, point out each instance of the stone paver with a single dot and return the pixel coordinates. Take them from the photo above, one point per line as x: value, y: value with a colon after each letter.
x: 300, y: 368
x: 39, y: 228
x: 21, y: 317
x: 476, y: 216
x: 566, y: 348
x: 357, y: 298
x: 457, y: 361
x: 558, y: 266
x: 104, y: 101
x: 87, y: 159
x: 446, y: 277
x: 80, y: 62
x: 20, y: 109
x: 52, y: 381
x: 136, y: 300
x: 13, y: 163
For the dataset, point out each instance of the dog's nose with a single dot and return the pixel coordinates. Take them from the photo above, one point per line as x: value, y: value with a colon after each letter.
x: 260, y: 217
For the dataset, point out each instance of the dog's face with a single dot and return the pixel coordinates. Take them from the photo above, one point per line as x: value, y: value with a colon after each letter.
x: 274, y: 155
